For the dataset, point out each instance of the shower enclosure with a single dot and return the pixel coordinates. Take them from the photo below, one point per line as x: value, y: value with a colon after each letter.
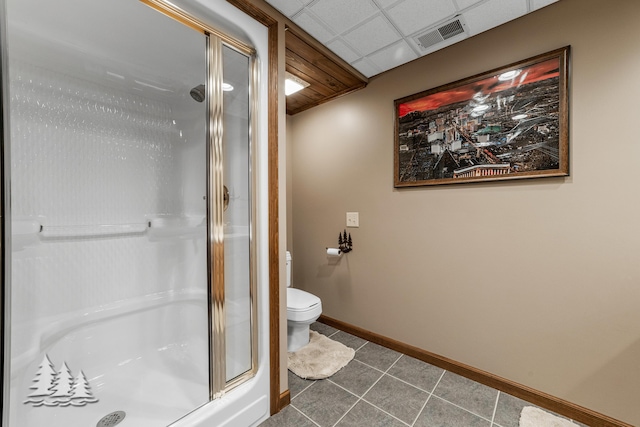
x: 132, y: 251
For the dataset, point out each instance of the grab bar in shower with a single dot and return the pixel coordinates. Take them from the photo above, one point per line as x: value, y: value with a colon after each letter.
x: 32, y: 227
x: 30, y: 232
x: 164, y: 226
x: 100, y: 230
x: 183, y: 227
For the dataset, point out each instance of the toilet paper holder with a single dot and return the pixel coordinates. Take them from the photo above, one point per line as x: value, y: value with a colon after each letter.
x: 345, y: 244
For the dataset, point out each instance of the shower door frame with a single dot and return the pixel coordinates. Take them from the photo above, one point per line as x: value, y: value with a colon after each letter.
x: 5, y: 335
x: 218, y: 383
x: 277, y: 399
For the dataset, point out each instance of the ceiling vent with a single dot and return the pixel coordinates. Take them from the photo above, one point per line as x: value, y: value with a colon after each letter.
x: 440, y: 34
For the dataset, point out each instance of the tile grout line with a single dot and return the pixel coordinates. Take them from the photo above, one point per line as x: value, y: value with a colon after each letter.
x: 383, y: 374
x: 369, y: 366
x: 413, y: 385
x: 351, y: 407
x: 460, y: 407
x: 400, y: 379
x: 428, y: 398
x: 360, y: 398
x: 495, y: 408
x: 307, y: 387
x: 365, y: 343
x: 424, y: 405
x: 305, y: 415
x: 378, y: 369
x: 383, y: 411
x: 492, y: 422
x: 329, y: 336
x: 304, y: 389
x: 337, y: 331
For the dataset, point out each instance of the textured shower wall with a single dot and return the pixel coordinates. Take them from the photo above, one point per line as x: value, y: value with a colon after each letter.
x: 85, y: 154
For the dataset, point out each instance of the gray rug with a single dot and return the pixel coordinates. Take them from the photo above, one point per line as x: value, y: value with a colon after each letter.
x: 319, y: 359
x: 535, y: 417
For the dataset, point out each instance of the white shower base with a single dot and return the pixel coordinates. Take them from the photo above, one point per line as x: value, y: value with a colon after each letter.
x: 147, y: 357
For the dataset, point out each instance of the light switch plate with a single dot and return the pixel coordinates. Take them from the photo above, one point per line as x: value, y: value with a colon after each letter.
x: 353, y: 219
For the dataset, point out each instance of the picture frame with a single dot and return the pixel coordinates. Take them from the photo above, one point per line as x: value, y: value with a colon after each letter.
x: 508, y: 123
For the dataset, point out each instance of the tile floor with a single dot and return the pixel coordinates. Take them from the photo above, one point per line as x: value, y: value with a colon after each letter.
x: 383, y: 388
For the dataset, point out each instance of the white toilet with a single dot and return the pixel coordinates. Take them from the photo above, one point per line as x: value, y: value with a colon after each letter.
x: 303, y: 309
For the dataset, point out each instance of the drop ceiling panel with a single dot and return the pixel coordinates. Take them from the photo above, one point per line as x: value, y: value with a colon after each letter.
x: 414, y: 15
x: 288, y: 7
x: 493, y: 13
x: 463, y: 4
x: 313, y: 27
x: 340, y: 15
x: 372, y: 35
x: 367, y: 34
x: 392, y: 56
x: 386, y: 3
x: 343, y: 51
x: 537, y: 4
x: 365, y: 67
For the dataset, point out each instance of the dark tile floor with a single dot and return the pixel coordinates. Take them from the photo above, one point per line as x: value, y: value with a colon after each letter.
x: 383, y: 388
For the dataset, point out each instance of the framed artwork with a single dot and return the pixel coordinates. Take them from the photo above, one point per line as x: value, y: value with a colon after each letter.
x: 507, y: 123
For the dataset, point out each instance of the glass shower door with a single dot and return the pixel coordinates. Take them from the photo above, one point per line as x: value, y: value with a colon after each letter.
x: 109, y: 284
x: 238, y: 250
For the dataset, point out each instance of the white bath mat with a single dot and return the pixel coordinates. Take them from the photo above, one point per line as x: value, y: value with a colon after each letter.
x: 535, y: 417
x: 319, y: 359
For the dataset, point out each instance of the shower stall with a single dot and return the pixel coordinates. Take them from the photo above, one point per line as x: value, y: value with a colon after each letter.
x: 135, y: 270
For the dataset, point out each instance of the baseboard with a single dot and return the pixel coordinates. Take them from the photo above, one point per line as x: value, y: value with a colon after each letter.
x: 285, y: 400
x: 543, y: 400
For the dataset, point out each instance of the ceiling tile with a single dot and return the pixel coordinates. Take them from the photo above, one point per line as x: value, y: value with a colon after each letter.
x: 493, y: 13
x: 288, y: 7
x: 373, y: 29
x: 366, y: 68
x: 313, y: 27
x: 341, y: 15
x: 385, y: 3
x: 463, y: 4
x: 372, y: 35
x: 537, y: 4
x: 392, y: 56
x: 413, y: 15
x: 341, y: 49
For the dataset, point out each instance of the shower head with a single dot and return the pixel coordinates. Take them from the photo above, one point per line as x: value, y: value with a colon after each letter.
x: 198, y: 93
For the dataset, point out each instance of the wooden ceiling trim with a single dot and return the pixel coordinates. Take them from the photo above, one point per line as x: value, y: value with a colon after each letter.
x: 300, y: 67
x: 328, y: 74
x: 311, y: 95
x: 327, y: 77
x: 296, y: 104
x: 313, y: 56
x: 316, y: 86
x: 292, y: 111
x: 316, y: 91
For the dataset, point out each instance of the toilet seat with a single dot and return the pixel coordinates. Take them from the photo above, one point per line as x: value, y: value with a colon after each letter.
x: 302, y: 306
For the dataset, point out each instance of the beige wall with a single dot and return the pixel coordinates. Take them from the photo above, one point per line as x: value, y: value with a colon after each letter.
x: 537, y: 281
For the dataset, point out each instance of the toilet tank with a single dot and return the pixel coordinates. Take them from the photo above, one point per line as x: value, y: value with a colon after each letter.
x: 288, y: 269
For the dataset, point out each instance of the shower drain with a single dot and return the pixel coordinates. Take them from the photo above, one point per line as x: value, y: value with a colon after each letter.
x: 111, y: 419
